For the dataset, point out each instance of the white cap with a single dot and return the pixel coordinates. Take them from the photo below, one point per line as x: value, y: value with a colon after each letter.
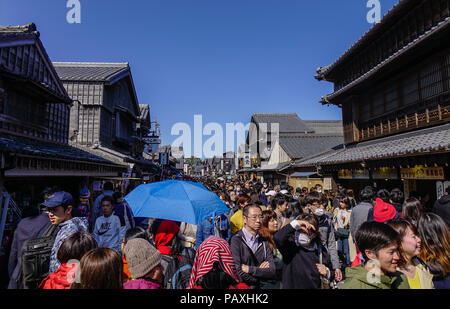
x: 271, y: 193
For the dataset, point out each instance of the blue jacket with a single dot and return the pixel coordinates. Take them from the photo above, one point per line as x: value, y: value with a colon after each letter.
x: 63, y: 231
x: 206, y: 229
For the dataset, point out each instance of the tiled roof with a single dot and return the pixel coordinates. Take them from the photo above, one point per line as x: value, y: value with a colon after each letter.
x: 287, y: 122
x: 420, y: 142
x: 18, y: 144
x: 90, y: 71
x: 305, y: 145
x: 326, y: 126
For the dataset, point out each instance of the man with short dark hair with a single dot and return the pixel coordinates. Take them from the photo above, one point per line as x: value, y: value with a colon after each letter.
x: 108, y: 190
x: 251, y: 252
x: 360, y: 212
x: 109, y: 229
x: 280, y: 207
x: 397, y: 198
x: 442, y: 207
x: 59, y: 207
x: 378, y: 244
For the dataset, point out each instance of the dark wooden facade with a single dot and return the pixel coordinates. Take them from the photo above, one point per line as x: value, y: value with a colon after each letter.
x: 105, y: 110
x: 34, y: 102
x: 396, y: 78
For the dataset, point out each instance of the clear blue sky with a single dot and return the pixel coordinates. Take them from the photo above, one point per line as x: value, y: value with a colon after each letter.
x: 224, y: 59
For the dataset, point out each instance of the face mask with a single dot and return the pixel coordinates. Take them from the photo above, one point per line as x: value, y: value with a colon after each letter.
x: 319, y: 212
x: 320, y: 191
x: 303, y: 239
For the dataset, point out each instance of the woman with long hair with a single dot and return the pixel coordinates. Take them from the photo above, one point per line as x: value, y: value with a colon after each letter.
x: 268, y: 229
x: 341, y: 220
x: 435, y: 252
x: 409, y: 248
x: 100, y: 268
x: 412, y: 210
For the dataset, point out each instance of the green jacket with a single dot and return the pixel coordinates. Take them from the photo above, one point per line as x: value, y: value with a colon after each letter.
x: 356, y: 278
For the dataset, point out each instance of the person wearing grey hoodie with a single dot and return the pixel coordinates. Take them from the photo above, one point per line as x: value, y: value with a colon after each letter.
x: 361, y: 211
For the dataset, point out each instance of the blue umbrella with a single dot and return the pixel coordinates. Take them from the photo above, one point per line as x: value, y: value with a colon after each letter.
x: 176, y: 200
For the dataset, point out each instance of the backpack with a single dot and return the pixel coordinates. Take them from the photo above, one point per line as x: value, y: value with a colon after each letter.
x: 177, y: 270
x: 36, y: 254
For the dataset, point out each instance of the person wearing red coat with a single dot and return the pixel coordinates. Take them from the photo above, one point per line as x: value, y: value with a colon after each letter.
x: 69, y: 255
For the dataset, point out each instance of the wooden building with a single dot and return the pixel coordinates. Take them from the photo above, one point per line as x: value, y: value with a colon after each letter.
x: 394, y: 90
x: 106, y: 118
x: 34, y: 126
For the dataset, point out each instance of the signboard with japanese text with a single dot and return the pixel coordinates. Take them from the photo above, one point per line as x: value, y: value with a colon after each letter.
x: 345, y: 174
x: 420, y: 172
x: 247, y: 161
x: 384, y: 173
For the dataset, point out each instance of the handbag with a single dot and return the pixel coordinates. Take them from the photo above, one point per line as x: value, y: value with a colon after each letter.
x: 343, y: 233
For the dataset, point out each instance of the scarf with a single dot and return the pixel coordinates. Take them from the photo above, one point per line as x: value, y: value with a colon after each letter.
x: 213, y: 249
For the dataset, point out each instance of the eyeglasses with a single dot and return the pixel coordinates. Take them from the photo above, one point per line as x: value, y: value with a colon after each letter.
x: 255, y: 217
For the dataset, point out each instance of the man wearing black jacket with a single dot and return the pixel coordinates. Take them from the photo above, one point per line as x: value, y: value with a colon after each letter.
x: 251, y: 252
x: 442, y: 207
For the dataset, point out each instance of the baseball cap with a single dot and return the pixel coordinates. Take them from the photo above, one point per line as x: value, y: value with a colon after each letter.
x: 57, y: 199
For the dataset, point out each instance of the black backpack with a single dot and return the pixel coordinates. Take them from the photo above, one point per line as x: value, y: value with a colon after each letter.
x: 177, y: 274
x: 36, y: 254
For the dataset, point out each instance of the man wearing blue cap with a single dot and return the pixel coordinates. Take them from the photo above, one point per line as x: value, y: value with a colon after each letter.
x: 59, y: 207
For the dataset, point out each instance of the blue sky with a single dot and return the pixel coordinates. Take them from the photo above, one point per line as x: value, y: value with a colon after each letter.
x: 224, y: 59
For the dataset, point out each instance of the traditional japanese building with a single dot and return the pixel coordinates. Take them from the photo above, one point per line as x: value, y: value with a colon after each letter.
x: 34, y: 127
x: 106, y: 118
x: 394, y: 90
x: 295, y: 139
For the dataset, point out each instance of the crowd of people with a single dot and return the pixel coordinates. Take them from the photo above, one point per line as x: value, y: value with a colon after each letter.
x: 273, y: 237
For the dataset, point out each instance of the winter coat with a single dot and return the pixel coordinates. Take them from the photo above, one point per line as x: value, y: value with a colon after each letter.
x: 124, y: 210
x: 359, y: 215
x: 300, y: 270
x: 59, y: 280
x: 442, y: 208
x: 236, y: 222
x: 356, y: 278
x: 328, y: 239
x: 425, y: 277
x: 243, y: 255
x: 64, y: 230
x: 141, y: 284
x: 27, y: 228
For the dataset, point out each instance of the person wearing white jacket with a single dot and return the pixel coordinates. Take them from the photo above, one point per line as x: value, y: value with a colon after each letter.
x: 109, y: 229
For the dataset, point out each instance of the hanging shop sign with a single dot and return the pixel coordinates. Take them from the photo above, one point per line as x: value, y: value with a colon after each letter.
x: 327, y: 183
x: 420, y: 172
x: 384, y: 173
x: 345, y: 174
